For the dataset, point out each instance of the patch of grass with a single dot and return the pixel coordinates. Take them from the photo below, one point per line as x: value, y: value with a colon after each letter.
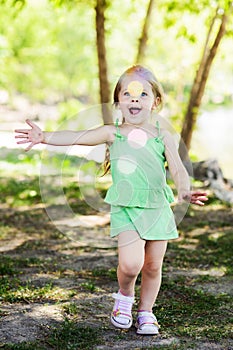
x: 108, y: 273
x: 24, y: 346
x: 16, y: 266
x: 5, y: 231
x: 27, y: 192
x: 12, y: 290
x: 71, y: 309
x: 7, y: 266
x: 10, y: 266
x: 209, y: 252
x: 186, y: 312
x: 205, y: 278
x: 23, y: 192
x: 73, y: 336
x: 90, y: 286
x: 172, y: 346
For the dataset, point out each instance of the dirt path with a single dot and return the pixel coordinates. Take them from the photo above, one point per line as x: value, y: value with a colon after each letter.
x: 52, y: 278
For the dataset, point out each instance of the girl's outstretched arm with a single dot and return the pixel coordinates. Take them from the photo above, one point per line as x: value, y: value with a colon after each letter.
x: 180, y: 174
x: 92, y: 137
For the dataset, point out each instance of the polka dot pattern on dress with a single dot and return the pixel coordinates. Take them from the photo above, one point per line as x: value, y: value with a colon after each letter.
x: 137, y: 138
x: 127, y: 164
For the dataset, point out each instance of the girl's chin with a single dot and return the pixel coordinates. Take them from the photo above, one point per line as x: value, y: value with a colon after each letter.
x: 136, y: 119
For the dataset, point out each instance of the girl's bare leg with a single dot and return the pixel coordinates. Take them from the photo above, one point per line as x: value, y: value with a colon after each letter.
x: 131, y: 259
x: 151, y: 273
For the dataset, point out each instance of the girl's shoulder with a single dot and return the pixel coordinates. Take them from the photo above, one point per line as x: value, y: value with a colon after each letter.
x: 110, y: 131
x: 169, y: 139
x: 165, y: 133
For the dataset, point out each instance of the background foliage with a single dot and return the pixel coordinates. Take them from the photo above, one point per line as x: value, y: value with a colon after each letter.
x: 67, y: 274
x: 48, y: 52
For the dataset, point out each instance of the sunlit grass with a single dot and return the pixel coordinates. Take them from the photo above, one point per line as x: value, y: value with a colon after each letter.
x: 184, y: 311
x: 186, y: 308
x: 13, y: 290
x: 31, y: 181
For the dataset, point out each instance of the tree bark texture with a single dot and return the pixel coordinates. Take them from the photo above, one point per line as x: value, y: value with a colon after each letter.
x: 102, y: 60
x: 144, y: 35
x: 198, y: 87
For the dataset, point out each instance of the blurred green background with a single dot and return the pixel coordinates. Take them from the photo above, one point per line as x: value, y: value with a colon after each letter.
x: 57, y: 263
x: 49, y: 66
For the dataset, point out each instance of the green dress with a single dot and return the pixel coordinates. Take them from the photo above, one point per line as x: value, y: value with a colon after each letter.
x: 139, y: 196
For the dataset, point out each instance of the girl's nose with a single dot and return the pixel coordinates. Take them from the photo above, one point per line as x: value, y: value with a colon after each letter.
x: 134, y: 99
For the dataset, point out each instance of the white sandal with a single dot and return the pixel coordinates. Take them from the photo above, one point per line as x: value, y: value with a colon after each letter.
x: 121, y: 316
x: 147, y: 323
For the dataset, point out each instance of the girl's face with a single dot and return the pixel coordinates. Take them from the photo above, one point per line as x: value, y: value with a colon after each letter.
x: 136, y: 100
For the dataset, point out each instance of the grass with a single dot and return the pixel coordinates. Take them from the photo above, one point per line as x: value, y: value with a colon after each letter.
x: 186, y: 312
x: 68, y: 336
x: 72, y: 336
x: 218, y: 252
x: 43, y: 270
x: 24, y: 346
x: 12, y: 290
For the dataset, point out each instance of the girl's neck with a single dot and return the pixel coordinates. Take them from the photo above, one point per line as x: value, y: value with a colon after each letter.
x: 145, y: 125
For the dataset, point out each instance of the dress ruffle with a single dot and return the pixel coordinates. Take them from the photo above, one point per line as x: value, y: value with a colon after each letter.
x: 125, y: 195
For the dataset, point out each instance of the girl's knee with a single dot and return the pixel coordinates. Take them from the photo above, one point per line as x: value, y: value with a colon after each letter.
x: 152, y: 267
x: 129, y: 268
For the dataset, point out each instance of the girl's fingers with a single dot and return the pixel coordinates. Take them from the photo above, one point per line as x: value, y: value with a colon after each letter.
x: 21, y: 142
x: 31, y: 124
x: 23, y: 131
x: 32, y: 136
x: 195, y: 197
x: 199, y: 194
x: 199, y: 200
x: 198, y: 203
x: 29, y: 147
x: 202, y: 198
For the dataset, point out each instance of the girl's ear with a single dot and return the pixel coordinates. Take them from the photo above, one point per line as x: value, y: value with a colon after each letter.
x: 116, y: 105
x: 156, y: 103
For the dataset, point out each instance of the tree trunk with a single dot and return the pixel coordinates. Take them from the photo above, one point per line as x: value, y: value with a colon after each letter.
x: 144, y: 35
x: 102, y: 61
x: 198, y: 87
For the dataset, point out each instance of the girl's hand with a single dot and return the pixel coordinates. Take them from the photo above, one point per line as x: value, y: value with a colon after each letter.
x: 194, y: 197
x: 34, y: 135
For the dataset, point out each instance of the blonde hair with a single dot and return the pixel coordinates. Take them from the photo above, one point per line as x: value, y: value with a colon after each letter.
x: 146, y: 74
x: 157, y: 90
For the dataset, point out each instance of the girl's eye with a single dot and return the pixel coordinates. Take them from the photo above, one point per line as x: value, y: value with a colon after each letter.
x: 143, y: 94
x: 126, y: 93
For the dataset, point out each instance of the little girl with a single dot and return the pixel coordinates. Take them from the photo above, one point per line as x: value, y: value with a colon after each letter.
x: 140, y: 199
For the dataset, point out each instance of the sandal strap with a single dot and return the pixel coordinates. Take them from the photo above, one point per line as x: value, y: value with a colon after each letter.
x: 145, y: 317
x: 122, y: 306
x: 117, y: 312
x: 121, y: 297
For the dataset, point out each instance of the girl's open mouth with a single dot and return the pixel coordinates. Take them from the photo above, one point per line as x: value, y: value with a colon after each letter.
x: 134, y: 110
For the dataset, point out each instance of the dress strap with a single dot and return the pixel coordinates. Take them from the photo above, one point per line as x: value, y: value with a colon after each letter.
x: 117, y: 127
x: 157, y: 125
